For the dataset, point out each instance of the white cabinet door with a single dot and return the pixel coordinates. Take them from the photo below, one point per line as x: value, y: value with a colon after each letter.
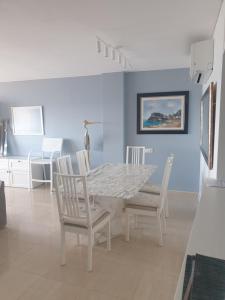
x: 19, y: 179
x: 4, y: 164
x: 5, y: 176
x: 19, y: 165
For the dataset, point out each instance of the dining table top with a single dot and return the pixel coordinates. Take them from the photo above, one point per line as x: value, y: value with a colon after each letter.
x: 118, y: 180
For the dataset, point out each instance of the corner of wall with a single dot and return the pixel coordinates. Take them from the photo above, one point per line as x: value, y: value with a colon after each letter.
x: 113, y: 116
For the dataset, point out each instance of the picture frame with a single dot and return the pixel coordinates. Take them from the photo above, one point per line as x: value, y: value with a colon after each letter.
x: 27, y: 120
x: 208, y: 110
x: 162, y: 113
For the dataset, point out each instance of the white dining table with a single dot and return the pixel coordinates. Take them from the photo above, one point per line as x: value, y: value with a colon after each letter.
x: 118, y: 180
x: 112, y: 184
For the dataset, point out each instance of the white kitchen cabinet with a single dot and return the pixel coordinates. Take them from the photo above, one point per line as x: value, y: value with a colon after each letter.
x: 4, y: 171
x: 14, y: 171
x: 4, y: 176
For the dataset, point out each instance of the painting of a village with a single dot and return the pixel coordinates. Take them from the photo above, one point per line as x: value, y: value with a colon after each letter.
x: 163, y: 113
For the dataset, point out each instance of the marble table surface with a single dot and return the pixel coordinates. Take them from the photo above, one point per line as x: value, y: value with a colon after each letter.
x: 118, y: 180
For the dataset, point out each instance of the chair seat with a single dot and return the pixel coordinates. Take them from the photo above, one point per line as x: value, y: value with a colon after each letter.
x: 151, y: 189
x: 98, y: 214
x: 141, y: 207
x: 145, y: 199
x: 41, y: 161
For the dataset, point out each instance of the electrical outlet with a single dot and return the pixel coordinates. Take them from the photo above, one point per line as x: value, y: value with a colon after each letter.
x: 148, y: 150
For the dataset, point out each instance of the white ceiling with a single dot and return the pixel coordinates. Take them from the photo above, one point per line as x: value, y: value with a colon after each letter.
x: 56, y: 38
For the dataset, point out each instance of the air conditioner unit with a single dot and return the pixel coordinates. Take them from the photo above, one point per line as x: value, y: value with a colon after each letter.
x: 202, y: 54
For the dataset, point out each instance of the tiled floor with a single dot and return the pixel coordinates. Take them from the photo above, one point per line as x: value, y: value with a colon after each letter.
x: 138, y: 270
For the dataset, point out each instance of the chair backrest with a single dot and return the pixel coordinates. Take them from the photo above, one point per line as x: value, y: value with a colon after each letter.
x: 50, y: 145
x: 166, y: 178
x: 83, y: 162
x: 64, y: 165
x: 135, y: 155
x: 70, y: 206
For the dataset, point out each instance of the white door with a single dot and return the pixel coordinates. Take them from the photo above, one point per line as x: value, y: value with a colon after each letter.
x: 19, y: 173
x: 19, y: 179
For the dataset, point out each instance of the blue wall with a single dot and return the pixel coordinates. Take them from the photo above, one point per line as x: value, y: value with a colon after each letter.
x: 66, y: 103
x: 113, y: 116
x: 111, y: 99
x: 185, y: 175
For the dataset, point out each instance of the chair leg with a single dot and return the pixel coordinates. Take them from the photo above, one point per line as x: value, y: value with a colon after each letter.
x: 51, y: 178
x: 63, y: 250
x: 164, y: 221
x: 30, y: 177
x: 160, y: 230
x: 127, y: 234
x: 109, y: 236
x: 166, y: 208
x: 90, y: 248
x: 78, y: 239
x: 93, y: 240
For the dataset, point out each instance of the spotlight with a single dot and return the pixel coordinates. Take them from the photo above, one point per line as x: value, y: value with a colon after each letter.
x: 120, y: 59
x: 99, y: 46
x: 106, y: 52
x: 124, y: 63
x: 113, y: 54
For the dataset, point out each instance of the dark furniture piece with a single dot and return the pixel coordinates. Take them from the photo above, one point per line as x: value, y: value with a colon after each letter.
x: 3, y: 218
x: 204, y: 278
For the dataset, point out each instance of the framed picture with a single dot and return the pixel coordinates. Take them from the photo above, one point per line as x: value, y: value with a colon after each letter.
x: 208, y: 109
x: 162, y: 112
x: 27, y: 120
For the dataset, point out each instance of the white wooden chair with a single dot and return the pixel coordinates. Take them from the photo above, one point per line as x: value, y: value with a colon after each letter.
x: 76, y: 216
x: 135, y: 155
x: 155, y: 189
x: 83, y: 162
x: 51, y: 148
x: 64, y: 165
x: 150, y: 205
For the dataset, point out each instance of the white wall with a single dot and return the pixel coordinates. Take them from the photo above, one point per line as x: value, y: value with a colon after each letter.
x: 216, y: 76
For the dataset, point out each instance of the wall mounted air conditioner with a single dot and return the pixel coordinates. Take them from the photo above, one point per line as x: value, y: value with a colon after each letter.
x: 202, y: 54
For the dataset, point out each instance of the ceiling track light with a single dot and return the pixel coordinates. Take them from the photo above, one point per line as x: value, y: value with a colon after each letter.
x: 113, y: 54
x: 98, y: 43
x: 108, y: 51
x: 125, y: 63
x: 120, y: 59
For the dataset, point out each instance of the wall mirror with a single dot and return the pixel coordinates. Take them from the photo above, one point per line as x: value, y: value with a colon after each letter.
x: 208, y: 107
x: 27, y: 120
